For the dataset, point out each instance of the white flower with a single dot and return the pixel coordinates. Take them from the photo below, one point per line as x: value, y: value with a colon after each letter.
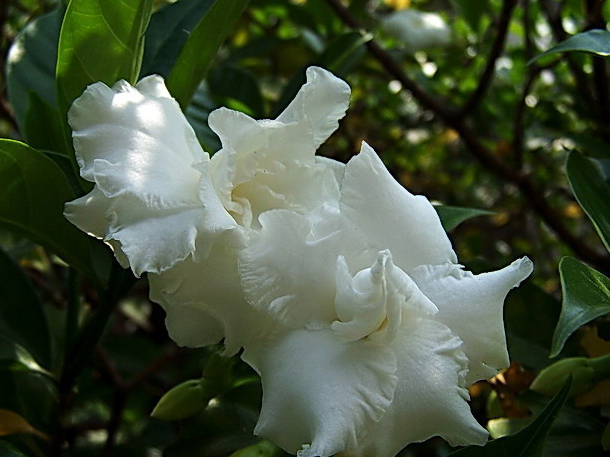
x: 341, y: 286
x: 165, y: 208
x: 416, y: 29
x: 381, y: 325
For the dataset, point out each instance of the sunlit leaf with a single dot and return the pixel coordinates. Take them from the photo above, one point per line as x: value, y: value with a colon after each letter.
x: 100, y: 41
x: 31, y: 63
x: 22, y: 318
x: 452, y: 216
x: 592, y: 41
x: 31, y: 203
x: 201, y: 47
x: 529, y: 441
x: 592, y: 192
x: 586, y: 296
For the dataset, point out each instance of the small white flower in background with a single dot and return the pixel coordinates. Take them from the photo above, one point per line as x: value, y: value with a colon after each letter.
x: 417, y: 30
x: 341, y: 286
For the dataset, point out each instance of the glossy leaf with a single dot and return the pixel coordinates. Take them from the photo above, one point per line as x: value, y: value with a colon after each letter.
x: 167, y: 33
x: 528, y: 442
x: 230, y: 83
x: 452, y: 216
x: 100, y: 41
x: 586, y: 296
x: 42, y: 126
x: 592, y: 192
x: 593, y: 42
x: 31, y: 203
x: 200, y: 49
x: 22, y: 318
x: 31, y: 63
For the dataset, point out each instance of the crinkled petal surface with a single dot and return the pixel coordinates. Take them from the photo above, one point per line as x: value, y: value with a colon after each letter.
x: 288, y: 267
x: 320, y: 391
x: 390, y: 217
x: 209, y: 288
x: 472, y: 306
x: 430, y: 397
x: 153, y: 191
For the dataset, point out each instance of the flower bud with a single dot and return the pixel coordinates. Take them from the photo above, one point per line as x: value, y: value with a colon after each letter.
x: 182, y: 401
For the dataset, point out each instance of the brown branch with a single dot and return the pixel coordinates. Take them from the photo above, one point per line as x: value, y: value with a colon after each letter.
x: 449, y: 115
x: 501, y: 27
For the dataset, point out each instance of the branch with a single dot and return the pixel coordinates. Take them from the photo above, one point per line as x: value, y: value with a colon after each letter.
x: 501, y: 28
x: 449, y: 115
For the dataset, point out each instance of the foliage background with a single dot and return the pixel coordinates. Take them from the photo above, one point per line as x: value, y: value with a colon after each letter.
x: 475, y: 124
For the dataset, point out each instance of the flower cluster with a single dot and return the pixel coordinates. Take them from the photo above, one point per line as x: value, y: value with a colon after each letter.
x: 340, y: 286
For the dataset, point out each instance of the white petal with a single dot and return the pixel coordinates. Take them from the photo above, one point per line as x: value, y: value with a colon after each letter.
x: 390, y: 216
x: 136, y: 141
x: 472, y: 305
x: 212, y: 287
x: 319, y: 391
x: 372, y: 303
x: 192, y: 326
x: 151, y: 240
x: 323, y: 100
x: 430, y: 398
x: 288, y: 268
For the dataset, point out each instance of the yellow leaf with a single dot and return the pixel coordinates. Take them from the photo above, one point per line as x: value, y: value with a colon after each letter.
x: 12, y: 423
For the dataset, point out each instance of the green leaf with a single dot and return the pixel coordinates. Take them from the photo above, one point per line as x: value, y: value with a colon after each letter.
x: 592, y: 192
x: 528, y: 442
x: 22, y: 318
x: 235, y: 84
x: 42, y: 125
x: 344, y: 52
x: 593, y: 42
x: 31, y: 203
x: 200, y: 48
x: 167, y: 33
x: 31, y: 63
x: 8, y: 450
x: 472, y: 11
x: 586, y: 296
x: 100, y: 41
x: 452, y: 216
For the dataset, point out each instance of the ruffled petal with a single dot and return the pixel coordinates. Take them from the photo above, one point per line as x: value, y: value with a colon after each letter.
x: 288, y: 267
x: 136, y: 140
x: 320, y: 392
x: 211, y: 288
x: 372, y: 303
x: 430, y: 397
x: 323, y: 100
x: 390, y: 217
x: 192, y: 326
x: 472, y: 306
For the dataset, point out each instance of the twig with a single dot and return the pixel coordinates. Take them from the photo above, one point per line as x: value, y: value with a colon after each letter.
x: 501, y: 27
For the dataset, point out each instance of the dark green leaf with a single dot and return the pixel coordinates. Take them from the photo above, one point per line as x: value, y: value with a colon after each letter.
x: 100, y: 41
x: 200, y: 48
x: 167, y: 33
x: 592, y: 192
x: 528, y: 442
x: 42, y: 125
x: 593, y: 42
x: 452, y: 216
x: 31, y: 63
x: 586, y: 296
x: 8, y: 450
x: 31, y: 203
x: 343, y: 53
x: 230, y: 83
x: 22, y: 318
